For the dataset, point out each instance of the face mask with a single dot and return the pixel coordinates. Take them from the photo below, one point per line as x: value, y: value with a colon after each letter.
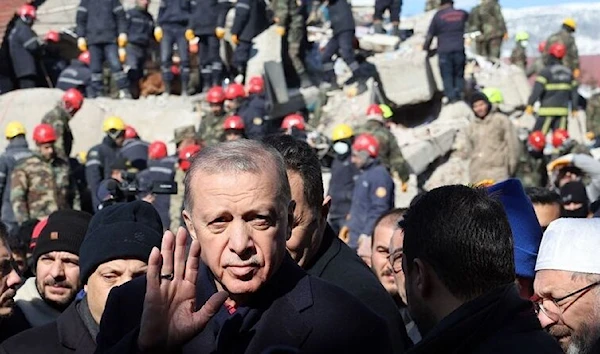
x: 341, y: 148
x: 577, y: 213
x: 524, y: 44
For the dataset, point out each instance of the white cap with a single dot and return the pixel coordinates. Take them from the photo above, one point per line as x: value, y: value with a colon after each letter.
x: 572, y: 245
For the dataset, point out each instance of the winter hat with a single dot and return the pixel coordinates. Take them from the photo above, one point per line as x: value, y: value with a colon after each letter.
x: 120, y: 231
x: 573, y: 192
x: 480, y: 96
x: 64, y: 231
x: 526, y: 230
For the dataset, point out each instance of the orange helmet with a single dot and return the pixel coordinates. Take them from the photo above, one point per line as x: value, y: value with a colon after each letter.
x: 374, y: 111
x: 234, y: 123
x: 44, y: 133
x: 559, y: 137
x: 130, y: 132
x: 256, y: 85
x: 157, y: 150
x: 558, y: 50
x: 215, y: 95
x: 27, y: 11
x: 185, y: 154
x: 84, y: 57
x: 293, y: 120
x: 537, y: 140
x: 366, y: 142
x: 72, y: 100
x: 234, y: 91
x: 542, y: 47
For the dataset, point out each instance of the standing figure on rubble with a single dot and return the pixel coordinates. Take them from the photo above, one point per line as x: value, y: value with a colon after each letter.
x: 250, y: 20
x: 140, y: 27
x: 205, y: 24
x: 394, y: 7
x: 77, y: 75
x: 432, y: 5
x: 565, y: 37
x: 59, y: 118
x: 102, y: 28
x: 518, y: 56
x: 25, y: 48
x: 487, y: 18
x: 538, y: 65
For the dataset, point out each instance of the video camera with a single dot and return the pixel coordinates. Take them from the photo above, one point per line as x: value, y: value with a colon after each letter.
x: 110, y: 191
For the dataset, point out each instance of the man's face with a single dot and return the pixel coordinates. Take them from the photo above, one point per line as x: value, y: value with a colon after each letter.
x: 546, y: 213
x: 120, y: 139
x: 57, y: 278
x: 396, y: 249
x: 358, y: 159
x: 10, y: 281
x: 185, y: 143
x: 47, y: 150
x: 480, y: 108
x: 241, y: 225
x: 380, y: 263
x: 232, y: 105
x: 216, y: 108
x: 578, y: 326
x: 20, y: 260
x: 107, y: 276
x: 231, y: 135
x: 308, y: 226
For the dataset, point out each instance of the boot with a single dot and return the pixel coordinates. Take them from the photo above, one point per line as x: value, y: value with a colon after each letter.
x: 206, y: 82
x: 378, y: 28
x: 395, y: 31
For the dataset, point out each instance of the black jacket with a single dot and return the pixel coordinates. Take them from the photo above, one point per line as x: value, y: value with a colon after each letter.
x: 337, y: 264
x: 341, y: 188
x: 254, y: 113
x: 25, y: 48
x: 68, y: 334
x: 250, y: 19
x: 16, y: 150
x: 498, y: 322
x: 174, y: 12
x: 163, y: 170
x: 78, y: 76
x: 448, y: 25
x: 555, y: 88
x: 97, y: 167
x: 293, y: 309
x: 140, y: 27
x: 100, y: 21
x: 13, y: 325
x: 340, y: 15
x: 205, y: 17
x: 136, y: 152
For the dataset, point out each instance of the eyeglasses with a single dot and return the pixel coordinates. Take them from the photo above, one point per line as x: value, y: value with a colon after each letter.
x: 395, y: 260
x: 556, y: 312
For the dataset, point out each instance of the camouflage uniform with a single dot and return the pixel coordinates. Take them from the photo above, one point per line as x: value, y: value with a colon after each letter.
x: 571, y: 59
x: 518, y: 57
x: 59, y: 118
x: 593, y: 114
x: 38, y: 187
x: 487, y: 18
x: 529, y: 169
x: 389, y: 150
x: 536, y: 67
x: 290, y: 16
x: 432, y: 5
x: 211, y: 129
x: 176, y: 205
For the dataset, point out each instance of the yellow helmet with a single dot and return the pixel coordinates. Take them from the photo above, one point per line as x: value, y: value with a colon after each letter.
x: 387, y: 111
x: 341, y: 131
x: 570, y: 22
x: 113, y: 123
x: 522, y: 36
x: 13, y: 129
x: 493, y: 94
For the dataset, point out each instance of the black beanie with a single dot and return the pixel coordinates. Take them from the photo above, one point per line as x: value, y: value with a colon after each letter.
x: 120, y: 231
x: 574, y: 192
x: 64, y: 232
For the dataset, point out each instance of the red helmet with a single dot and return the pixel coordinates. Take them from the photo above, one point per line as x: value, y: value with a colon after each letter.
x: 559, y: 137
x: 374, y: 111
x: 233, y: 122
x: 542, y: 47
x: 52, y: 36
x: 130, y: 132
x: 215, y: 95
x: 157, y: 150
x: 558, y: 50
x: 234, y: 91
x: 44, y: 133
x: 256, y: 84
x: 537, y: 140
x: 185, y: 154
x: 366, y: 142
x: 84, y: 57
x: 293, y: 120
x: 72, y: 100
x: 27, y: 11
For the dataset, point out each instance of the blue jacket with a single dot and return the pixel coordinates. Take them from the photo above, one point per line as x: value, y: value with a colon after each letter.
x: 206, y: 17
x: 25, y: 48
x: 254, y: 111
x: 340, y: 15
x: 250, y: 19
x: 174, y: 12
x: 448, y: 25
x: 97, y: 167
x: 341, y: 186
x: 78, y: 76
x: 16, y: 150
x: 140, y: 27
x: 163, y: 170
x: 373, y: 195
x: 136, y: 152
x: 100, y: 21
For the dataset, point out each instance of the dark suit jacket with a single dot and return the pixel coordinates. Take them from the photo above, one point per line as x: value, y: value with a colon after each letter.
x: 339, y: 265
x: 292, y: 310
x: 68, y: 334
x: 14, y: 324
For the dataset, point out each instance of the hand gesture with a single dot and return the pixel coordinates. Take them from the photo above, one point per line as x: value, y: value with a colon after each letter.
x: 169, y: 319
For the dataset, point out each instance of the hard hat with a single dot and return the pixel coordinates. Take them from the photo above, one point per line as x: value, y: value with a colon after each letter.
x: 557, y: 50
x: 366, y: 142
x: 157, y: 150
x: 559, y: 137
x: 570, y: 22
x: 13, y: 129
x: 185, y: 154
x: 542, y: 47
x: 113, y: 123
x: 522, y: 36
x: 537, y: 140
x: 387, y: 111
x: 72, y: 100
x: 27, y: 11
x: 215, y: 95
x: 293, y: 120
x: 374, y: 111
x: 130, y: 132
x: 233, y: 122
x: 341, y: 131
x: 256, y: 84
x: 44, y: 133
x: 493, y: 94
x: 84, y: 57
x: 234, y: 91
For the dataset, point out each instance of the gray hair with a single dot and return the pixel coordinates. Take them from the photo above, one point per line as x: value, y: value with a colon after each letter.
x: 234, y: 157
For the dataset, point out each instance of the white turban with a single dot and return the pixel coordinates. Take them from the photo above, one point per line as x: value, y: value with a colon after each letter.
x: 572, y: 245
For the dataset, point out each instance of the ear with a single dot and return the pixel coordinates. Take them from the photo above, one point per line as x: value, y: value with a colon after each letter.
x: 187, y: 218
x: 290, y: 216
x: 422, y: 277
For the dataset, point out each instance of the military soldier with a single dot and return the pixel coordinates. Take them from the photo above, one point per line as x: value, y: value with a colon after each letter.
x: 59, y: 118
x: 250, y: 20
x: 432, y: 4
x: 518, y: 56
x: 291, y: 27
x: 488, y: 19
x: 161, y: 168
x: 593, y: 116
x: 538, y: 65
x: 233, y: 127
x: 77, y: 75
x: 235, y: 96
x: 16, y: 150
x: 183, y: 137
x: 39, y: 183
x: 134, y: 149
x: 565, y: 36
x: 389, y: 150
x: 211, y: 125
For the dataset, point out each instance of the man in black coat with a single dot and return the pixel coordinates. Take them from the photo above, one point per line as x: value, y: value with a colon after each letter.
x: 207, y: 22
x: 250, y: 20
x: 25, y: 48
x: 317, y: 249
x: 242, y: 293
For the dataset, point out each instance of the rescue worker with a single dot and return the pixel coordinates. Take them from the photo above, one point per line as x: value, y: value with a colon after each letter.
x: 25, y: 48
x: 488, y: 19
x: 233, y: 127
x: 134, y: 149
x: 294, y: 125
x: 373, y: 193
x: 183, y: 164
x: 565, y: 36
x: 556, y: 89
x: 182, y: 137
x: 491, y: 142
x: 103, y: 155
x: 15, y: 151
x: 161, y: 168
x: 518, y: 56
x: 432, y: 5
x: 538, y: 65
x: 39, y: 183
x: 343, y: 174
x: 593, y: 116
x: 235, y: 94
x: 172, y: 28
x: 102, y: 29
x: 140, y: 29
x: 77, y: 75
x: 204, y: 22
x: 211, y: 125
x: 394, y: 7
x: 342, y: 25
x: 250, y: 20
x: 254, y: 111
x: 389, y: 150
x: 59, y: 118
